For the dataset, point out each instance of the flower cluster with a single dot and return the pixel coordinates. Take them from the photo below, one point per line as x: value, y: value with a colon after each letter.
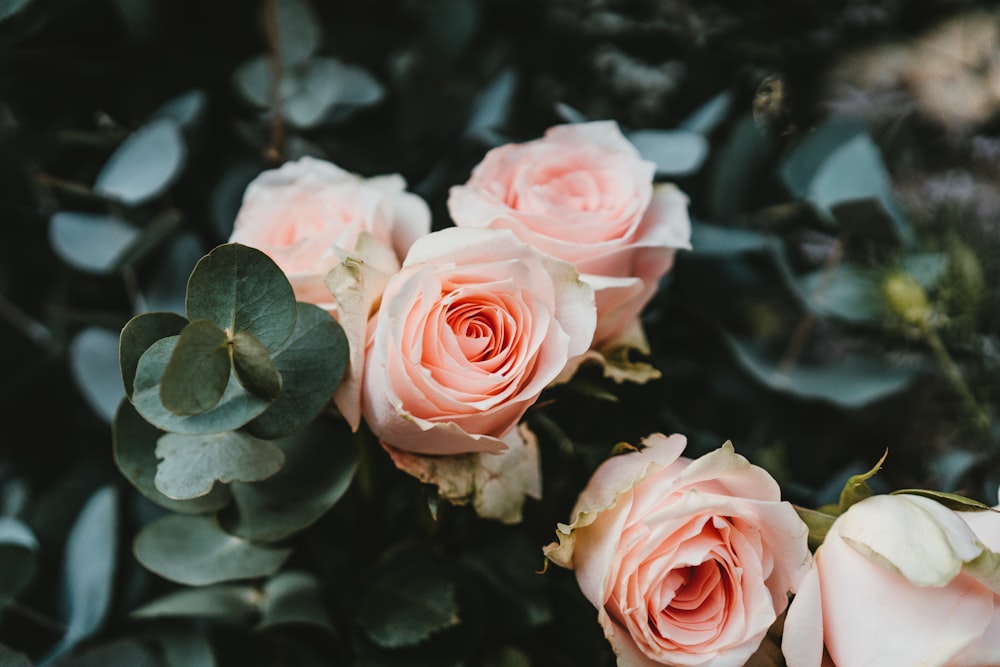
x: 453, y: 335
x: 559, y: 244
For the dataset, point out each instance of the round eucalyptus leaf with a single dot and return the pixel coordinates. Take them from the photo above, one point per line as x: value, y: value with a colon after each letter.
x: 186, y: 109
x: 674, y: 152
x: 91, y: 242
x: 191, y: 464
x: 18, y: 556
x: 193, y: 550
x: 253, y: 80
x: 134, y: 447
x: 299, y: 32
x: 320, y: 464
x: 239, y: 288
x: 138, y: 335
x: 323, y: 84
x: 311, y: 363
x: 224, y: 602
x: 254, y: 368
x: 293, y: 598
x: 234, y: 409
x: 145, y: 165
x: 198, y: 370
x: 93, y: 360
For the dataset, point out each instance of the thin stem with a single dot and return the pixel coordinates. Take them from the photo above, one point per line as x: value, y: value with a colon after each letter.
x: 41, y: 620
x: 276, y: 150
x: 954, y: 375
x: 35, y: 331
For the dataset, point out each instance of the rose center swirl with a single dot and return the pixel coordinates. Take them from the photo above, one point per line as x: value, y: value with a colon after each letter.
x: 482, y: 331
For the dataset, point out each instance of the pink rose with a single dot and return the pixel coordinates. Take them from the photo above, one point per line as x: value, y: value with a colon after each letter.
x: 309, y: 214
x: 469, y: 332
x: 900, y: 580
x: 688, y: 562
x: 583, y: 194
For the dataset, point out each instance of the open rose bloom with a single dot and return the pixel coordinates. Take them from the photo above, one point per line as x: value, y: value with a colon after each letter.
x: 469, y: 332
x: 687, y: 562
x: 583, y: 194
x: 308, y: 214
x: 899, y: 581
x: 310, y: 217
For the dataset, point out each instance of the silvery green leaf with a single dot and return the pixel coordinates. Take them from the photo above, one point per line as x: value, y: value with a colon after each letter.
x: 194, y: 551
x: 94, y: 363
x: 145, y: 164
x: 674, y: 152
x: 89, y: 241
x: 191, y: 464
x: 299, y: 32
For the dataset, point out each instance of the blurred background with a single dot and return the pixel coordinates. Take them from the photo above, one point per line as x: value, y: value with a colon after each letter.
x: 842, y: 161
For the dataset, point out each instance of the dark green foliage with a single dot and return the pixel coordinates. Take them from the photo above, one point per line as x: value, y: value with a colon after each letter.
x: 235, y: 519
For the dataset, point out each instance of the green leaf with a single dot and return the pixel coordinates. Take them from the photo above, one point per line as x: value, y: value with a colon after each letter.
x: 93, y: 360
x: 190, y: 464
x: 254, y: 368
x: 145, y: 165
x: 818, y: 523
x: 89, y: 569
x: 223, y: 602
x: 185, y: 647
x: 311, y: 363
x: 856, y: 489
x: 674, y: 152
x: 234, y: 409
x: 839, y: 168
x: 850, y: 293
x: 239, y: 288
x: 193, y: 550
x: 412, y: 598
x: 18, y: 557
x: 299, y: 33
x: 952, y: 501
x: 716, y: 240
x: 198, y: 371
x: 293, y: 598
x: 134, y: 446
x: 325, y: 85
x: 138, y: 335
x: 320, y: 464
x: 9, y: 8
x: 851, y: 382
x: 91, y: 242
x: 708, y: 116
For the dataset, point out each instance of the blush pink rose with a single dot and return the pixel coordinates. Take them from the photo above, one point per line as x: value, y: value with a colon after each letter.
x: 583, y: 194
x: 687, y: 562
x: 308, y: 214
x: 469, y: 332
x: 900, y: 580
